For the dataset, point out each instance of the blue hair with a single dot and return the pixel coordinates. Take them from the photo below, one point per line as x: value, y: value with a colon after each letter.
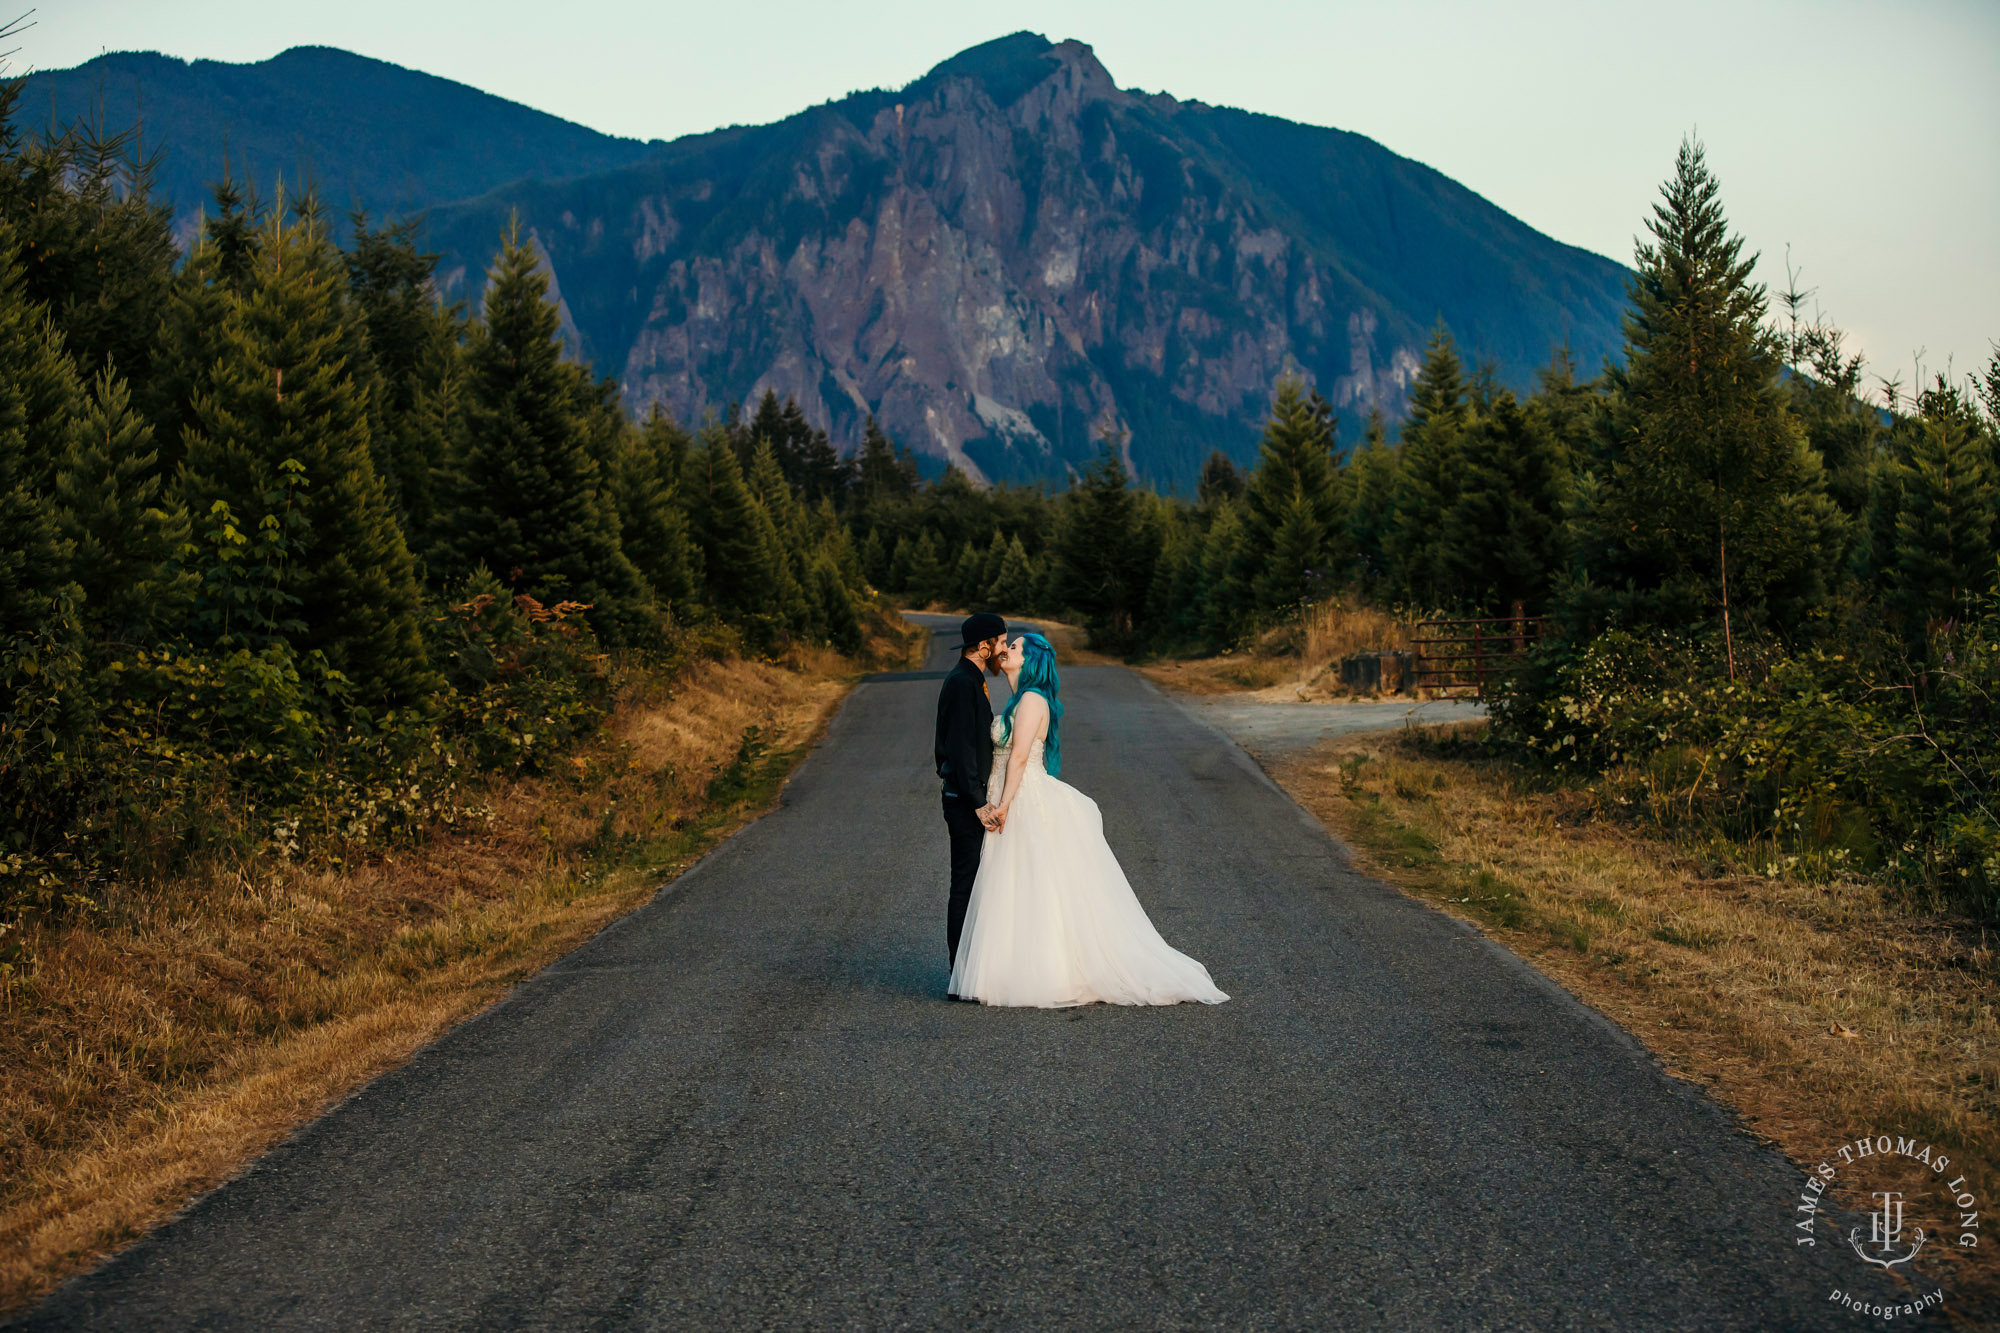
x: 1038, y: 673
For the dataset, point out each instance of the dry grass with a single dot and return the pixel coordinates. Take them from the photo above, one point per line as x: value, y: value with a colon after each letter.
x: 1817, y: 1011
x: 1299, y: 662
x: 157, y: 1047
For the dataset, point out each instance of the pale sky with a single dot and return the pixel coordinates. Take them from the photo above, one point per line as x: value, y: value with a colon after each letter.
x: 1866, y: 136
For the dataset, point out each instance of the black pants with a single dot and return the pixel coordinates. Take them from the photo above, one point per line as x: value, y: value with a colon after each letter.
x: 967, y: 836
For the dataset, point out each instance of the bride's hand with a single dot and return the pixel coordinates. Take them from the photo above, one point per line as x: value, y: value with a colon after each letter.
x: 999, y: 824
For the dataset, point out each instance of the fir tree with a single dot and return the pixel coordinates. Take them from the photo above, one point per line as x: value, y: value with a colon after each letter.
x: 1013, y: 585
x: 1945, y: 525
x: 530, y: 503
x: 925, y: 575
x: 967, y: 581
x: 1711, y: 479
x: 734, y: 535
x: 875, y: 559
x: 1373, y: 472
x: 1296, y: 492
x: 1502, y: 541
x: 1104, y: 556
x: 126, y: 536
x: 1225, y: 601
x: 884, y: 470
x: 1220, y: 480
x: 34, y: 556
x: 652, y: 525
x: 1428, y: 475
x: 278, y: 414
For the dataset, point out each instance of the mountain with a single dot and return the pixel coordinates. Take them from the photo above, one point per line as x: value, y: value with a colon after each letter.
x: 999, y: 261
x: 365, y: 132
x: 1012, y: 254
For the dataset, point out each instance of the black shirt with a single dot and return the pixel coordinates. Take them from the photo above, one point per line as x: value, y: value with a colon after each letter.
x: 964, y: 733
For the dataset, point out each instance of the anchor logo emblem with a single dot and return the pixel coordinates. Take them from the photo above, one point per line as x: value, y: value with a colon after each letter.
x: 1885, y: 1232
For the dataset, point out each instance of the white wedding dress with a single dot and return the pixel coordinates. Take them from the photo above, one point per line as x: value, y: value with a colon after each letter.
x: 1052, y: 921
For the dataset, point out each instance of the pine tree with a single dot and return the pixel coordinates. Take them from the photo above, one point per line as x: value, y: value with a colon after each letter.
x: 924, y: 578
x: 652, y: 526
x: 278, y: 412
x: 1945, y: 529
x: 1220, y: 480
x: 875, y: 559
x: 885, y: 470
x: 529, y: 500
x: 1427, y: 477
x: 1708, y: 475
x: 1013, y: 585
x: 1226, y: 602
x: 1373, y: 472
x: 34, y: 555
x: 217, y: 272
x: 1295, y: 491
x: 967, y: 579
x: 1104, y: 555
x: 409, y: 361
x: 787, y: 536
x: 126, y: 536
x: 744, y: 572
x: 1502, y: 541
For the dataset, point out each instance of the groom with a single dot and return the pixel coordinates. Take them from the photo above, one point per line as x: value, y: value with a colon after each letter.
x: 965, y: 758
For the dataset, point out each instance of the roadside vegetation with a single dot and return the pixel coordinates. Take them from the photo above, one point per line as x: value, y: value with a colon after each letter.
x: 1816, y: 1006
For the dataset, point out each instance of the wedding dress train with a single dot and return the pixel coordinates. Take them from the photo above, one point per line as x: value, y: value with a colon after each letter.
x: 1053, y: 921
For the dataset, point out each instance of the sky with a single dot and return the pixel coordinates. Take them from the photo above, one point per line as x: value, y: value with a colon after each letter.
x: 1861, y: 138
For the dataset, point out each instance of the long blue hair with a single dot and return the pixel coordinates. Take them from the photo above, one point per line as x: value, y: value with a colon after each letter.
x: 1038, y: 673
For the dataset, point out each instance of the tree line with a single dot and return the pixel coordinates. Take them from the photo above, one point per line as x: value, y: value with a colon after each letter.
x: 285, y: 539
x: 289, y: 537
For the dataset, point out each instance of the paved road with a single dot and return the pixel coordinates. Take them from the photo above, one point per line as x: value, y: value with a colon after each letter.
x: 747, y: 1105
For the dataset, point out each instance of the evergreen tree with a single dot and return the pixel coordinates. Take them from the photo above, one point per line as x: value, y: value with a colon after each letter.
x: 1373, y: 474
x: 277, y: 414
x: 875, y: 559
x: 34, y: 556
x: 126, y: 536
x: 1945, y: 525
x: 884, y: 470
x: 924, y: 575
x: 96, y: 250
x: 1502, y: 541
x: 967, y: 579
x: 1104, y: 556
x: 1709, y: 476
x: 529, y: 500
x: 748, y: 581
x: 1219, y: 480
x: 217, y: 272
x: 1013, y: 585
x: 652, y: 526
x: 787, y: 536
x: 410, y: 363
x: 1226, y: 602
x: 1428, y: 475
x: 1294, y: 492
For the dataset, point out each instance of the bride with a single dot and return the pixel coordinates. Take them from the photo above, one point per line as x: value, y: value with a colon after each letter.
x: 1052, y: 921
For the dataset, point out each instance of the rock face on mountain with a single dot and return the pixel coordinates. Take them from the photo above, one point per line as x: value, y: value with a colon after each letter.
x: 1013, y: 255
x: 1000, y: 261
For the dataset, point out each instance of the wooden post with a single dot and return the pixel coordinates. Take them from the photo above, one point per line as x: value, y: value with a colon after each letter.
x: 1520, y: 626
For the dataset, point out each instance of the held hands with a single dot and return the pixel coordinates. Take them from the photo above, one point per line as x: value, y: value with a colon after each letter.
x: 994, y: 817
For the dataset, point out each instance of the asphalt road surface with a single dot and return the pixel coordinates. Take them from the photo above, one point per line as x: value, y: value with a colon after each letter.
x: 749, y: 1105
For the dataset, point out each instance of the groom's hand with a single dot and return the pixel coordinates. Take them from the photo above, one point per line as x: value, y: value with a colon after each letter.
x: 985, y: 815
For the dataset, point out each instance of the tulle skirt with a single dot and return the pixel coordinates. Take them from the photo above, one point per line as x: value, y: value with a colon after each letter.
x: 1053, y: 921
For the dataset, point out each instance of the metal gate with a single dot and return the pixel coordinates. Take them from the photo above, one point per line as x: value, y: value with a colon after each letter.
x: 1459, y: 658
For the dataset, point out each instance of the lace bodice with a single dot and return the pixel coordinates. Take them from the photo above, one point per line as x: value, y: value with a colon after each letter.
x: 1003, y: 747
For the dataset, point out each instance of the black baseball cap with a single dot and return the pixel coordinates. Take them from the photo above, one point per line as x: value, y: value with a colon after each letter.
x: 979, y: 627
